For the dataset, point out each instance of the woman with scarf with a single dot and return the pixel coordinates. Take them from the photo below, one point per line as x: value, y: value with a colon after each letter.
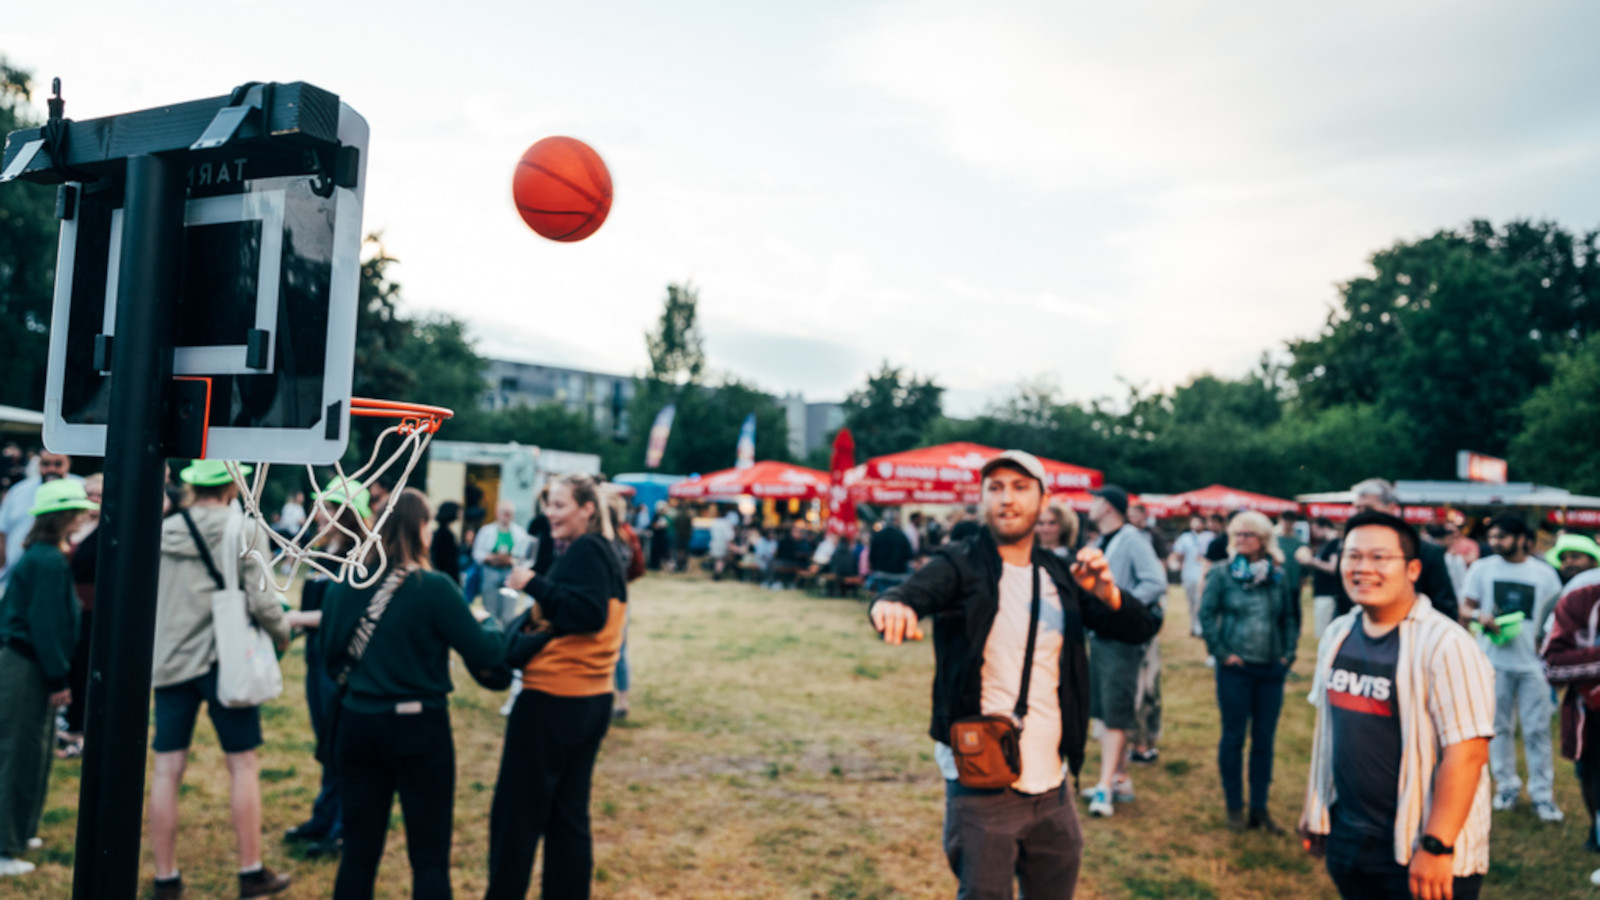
x: 1251, y: 623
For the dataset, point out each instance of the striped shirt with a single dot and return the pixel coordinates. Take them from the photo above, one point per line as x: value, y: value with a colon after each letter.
x: 1445, y: 688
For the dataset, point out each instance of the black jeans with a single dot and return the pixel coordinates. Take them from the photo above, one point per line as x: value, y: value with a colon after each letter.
x: 378, y: 756
x: 1363, y: 868
x: 993, y: 839
x: 326, y: 818
x: 1251, y: 697
x: 546, y: 771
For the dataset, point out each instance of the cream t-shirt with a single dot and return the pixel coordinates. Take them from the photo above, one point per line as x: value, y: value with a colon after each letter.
x: 1042, y: 768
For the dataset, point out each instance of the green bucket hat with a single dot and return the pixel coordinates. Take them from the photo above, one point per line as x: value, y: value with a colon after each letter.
x: 1569, y: 543
x: 209, y: 473
x: 333, y: 497
x: 59, y: 496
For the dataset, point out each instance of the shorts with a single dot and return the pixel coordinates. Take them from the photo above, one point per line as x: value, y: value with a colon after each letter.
x: 178, y: 705
x: 1114, y: 682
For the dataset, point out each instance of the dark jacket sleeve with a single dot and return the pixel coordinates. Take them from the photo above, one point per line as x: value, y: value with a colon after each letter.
x: 1435, y: 581
x: 53, y: 617
x: 481, y: 644
x: 575, y: 596
x: 1132, y: 622
x: 929, y: 590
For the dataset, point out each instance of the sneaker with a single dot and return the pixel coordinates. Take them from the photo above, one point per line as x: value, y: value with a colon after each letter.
x: 1100, y: 803
x: 1260, y: 818
x: 35, y: 843
x: 10, y: 867
x: 304, y: 833
x: 1504, y: 800
x: 325, y: 848
x: 1236, y: 821
x: 1594, y: 877
x: 1122, y: 790
x: 1144, y: 756
x: 261, y: 883
x: 1548, y: 811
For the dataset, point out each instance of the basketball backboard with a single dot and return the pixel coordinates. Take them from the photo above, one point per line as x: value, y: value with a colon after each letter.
x: 266, y: 310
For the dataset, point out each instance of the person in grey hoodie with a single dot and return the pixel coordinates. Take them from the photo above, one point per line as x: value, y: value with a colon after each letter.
x: 1251, y: 622
x: 184, y: 675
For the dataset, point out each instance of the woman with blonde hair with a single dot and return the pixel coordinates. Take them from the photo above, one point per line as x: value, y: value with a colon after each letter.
x: 567, y: 648
x: 1251, y: 623
x: 1057, y: 530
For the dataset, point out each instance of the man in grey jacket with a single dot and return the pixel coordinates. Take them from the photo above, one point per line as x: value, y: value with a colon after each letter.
x: 1125, y: 679
x: 184, y: 675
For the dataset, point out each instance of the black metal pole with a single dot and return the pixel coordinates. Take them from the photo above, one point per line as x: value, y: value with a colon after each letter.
x: 111, y: 799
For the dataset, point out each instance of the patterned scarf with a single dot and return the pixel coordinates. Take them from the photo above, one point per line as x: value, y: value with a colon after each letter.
x: 1252, y: 574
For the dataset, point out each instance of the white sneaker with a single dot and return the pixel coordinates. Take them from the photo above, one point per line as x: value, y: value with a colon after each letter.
x: 1100, y: 803
x: 1594, y: 877
x: 9, y: 866
x: 1548, y: 811
x: 35, y: 843
x: 1504, y: 800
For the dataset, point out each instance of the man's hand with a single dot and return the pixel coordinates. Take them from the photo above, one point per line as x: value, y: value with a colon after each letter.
x: 1315, y: 844
x: 519, y: 578
x: 896, y: 621
x: 1093, y: 574
x: 1233, y: 661
x: 62, y: 697
x: 1431, y: 876
x: 1489, y: 624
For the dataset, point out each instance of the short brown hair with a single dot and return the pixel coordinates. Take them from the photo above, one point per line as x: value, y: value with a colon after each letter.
x: 407, y: 514
x: 51, y: 528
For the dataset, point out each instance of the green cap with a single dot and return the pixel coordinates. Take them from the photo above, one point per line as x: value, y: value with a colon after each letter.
x: 1569, y: 543
x: 333, y: 497
x: 209, y: 473
x: 60, y: 495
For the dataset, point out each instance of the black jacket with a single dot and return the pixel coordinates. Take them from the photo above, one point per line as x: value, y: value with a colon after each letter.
x: 960, y: 589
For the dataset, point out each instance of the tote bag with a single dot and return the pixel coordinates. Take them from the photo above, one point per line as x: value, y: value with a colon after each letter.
x: 247, y: 662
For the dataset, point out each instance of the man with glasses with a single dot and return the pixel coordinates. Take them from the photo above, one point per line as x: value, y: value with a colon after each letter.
x: 1378, y: 495
x: 1397, y: 797
x: 15, y: 520
x: 1511, y: 595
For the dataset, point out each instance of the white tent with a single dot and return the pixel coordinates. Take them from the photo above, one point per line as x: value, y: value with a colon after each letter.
x: 1472, y: 493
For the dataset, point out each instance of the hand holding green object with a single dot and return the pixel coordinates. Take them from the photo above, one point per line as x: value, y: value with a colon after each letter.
x: 1506, y: 628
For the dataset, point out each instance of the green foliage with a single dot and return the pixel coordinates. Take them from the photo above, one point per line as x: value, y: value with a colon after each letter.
x: 28, y: 232
x: 1557, y: 444
x: 892, y: 412
x: 677, y: 354
x: 705, y: 433
x: 548, y: 425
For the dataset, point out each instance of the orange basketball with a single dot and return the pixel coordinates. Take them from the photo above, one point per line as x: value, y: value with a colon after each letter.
x: 562, y: 189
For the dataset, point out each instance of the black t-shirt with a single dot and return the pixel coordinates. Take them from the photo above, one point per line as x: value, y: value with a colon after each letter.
x: 1217, y: 551
x: 1326, y: 584
x: 1365, y: 715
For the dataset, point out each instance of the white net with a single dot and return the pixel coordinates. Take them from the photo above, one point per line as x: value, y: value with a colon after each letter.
x: 330, y: 542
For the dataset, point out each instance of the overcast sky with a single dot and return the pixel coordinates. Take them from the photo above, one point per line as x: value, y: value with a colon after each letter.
x: 986, y: 193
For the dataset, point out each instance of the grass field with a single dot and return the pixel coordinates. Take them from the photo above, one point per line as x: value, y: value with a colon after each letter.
x: 776, y: 749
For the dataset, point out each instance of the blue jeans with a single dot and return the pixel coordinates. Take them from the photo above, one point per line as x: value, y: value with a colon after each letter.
x: 1251, y: 697
x: 621, y: 674
x: 326, y: 816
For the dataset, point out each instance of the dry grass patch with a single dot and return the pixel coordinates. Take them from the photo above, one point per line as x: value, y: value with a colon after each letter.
x: 776, y: 749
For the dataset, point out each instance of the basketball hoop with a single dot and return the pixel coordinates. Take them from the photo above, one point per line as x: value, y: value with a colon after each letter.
x: 415, y: 427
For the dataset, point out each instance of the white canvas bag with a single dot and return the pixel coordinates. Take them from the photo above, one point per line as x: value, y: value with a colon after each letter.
x: 247, y: 662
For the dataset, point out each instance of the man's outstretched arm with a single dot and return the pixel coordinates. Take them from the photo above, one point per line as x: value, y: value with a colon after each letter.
x: 896, y: 612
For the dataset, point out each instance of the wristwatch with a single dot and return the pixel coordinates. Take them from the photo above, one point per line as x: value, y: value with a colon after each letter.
x: 1435, y: 846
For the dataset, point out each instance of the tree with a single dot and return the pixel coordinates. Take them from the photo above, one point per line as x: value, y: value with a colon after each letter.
x: 549, y: 425
x: 892, y: 412
x: 28, y: 231
x: 1557, y: 444
x: 677, y: 354
x: 1452, y: 333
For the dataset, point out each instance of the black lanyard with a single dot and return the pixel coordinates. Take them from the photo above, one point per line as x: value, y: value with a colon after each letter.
x: 1021, y: 709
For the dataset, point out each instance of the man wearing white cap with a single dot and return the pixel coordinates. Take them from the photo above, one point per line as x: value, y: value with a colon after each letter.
x: 1010, y: 689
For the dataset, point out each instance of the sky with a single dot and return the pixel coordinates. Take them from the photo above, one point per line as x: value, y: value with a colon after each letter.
x: 1076, y: 194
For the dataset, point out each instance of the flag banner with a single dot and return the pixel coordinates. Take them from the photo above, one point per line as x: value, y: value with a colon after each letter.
x: 747, y: 443
x: 658, y: 436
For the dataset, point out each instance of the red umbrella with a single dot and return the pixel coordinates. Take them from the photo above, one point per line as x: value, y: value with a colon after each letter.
x: 767, y: 479
x: 948, y: 473
x: 841, y: 507
x: 1222, y: 499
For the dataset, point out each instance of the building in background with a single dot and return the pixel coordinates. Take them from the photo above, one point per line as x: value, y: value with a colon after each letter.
x: 602, y: 397
x: 810, y: 424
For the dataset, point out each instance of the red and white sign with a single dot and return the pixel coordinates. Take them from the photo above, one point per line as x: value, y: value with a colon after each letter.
x: 948, y: 473
x: 1580, y: 518
x: 767, y: 479
x: 1339, y: 512
x: 1480, y: 467
x: 1221, y: 498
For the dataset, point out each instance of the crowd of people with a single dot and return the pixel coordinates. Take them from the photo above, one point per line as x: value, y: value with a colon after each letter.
x: 1434, y: 648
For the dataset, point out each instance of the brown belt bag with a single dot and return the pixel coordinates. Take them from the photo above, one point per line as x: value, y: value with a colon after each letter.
x: 988, y: 749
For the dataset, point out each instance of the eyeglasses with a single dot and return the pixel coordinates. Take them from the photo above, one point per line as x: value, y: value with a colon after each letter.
x: 1378, y: 560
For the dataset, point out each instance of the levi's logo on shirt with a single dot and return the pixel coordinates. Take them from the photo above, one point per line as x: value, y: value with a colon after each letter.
x: 1362, y: 692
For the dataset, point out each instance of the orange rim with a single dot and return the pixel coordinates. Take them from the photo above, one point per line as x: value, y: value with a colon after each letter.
x: 412, y: 416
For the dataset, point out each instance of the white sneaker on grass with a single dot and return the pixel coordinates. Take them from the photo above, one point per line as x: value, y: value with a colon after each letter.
x: 1504, y: 800
x: 1548, y: 811
x: 10, y: 867
x: 1100, y: 803
x: 35, y: 843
